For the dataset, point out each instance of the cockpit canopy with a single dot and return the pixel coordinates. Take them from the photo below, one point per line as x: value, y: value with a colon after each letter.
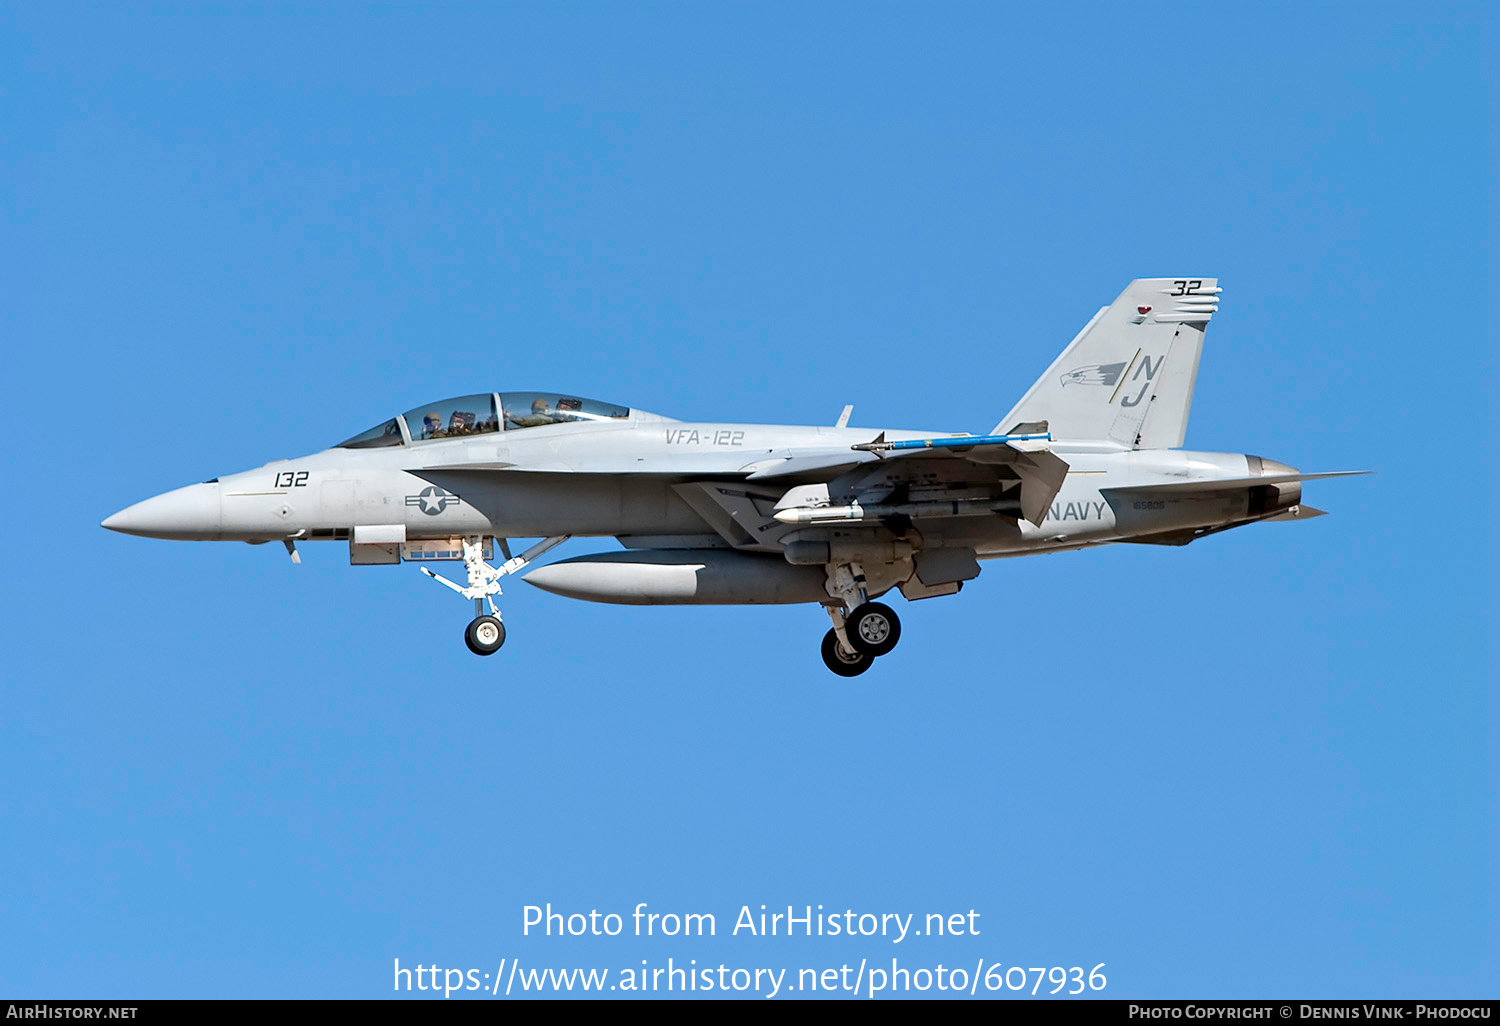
x: 482, y: 414
x: 453, y: 418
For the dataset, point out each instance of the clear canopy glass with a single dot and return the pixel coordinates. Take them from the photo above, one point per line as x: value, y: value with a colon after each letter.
x: 377, y: 437
x: 453, y: 418
x: 538, y: 409
x: 479, y: 415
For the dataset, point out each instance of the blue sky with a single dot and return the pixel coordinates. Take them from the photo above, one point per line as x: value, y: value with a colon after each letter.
x: 1261, y: 765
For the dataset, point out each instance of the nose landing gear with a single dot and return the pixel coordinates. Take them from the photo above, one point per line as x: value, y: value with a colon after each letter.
x: 485, y: 633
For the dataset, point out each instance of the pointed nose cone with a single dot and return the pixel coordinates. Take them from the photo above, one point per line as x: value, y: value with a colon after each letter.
x: 187, y: 514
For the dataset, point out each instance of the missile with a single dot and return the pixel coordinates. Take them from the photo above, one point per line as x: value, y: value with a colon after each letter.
x: 854, y: 511
x: 956, y: 442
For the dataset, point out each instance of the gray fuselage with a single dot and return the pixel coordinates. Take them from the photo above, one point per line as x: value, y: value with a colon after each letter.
x: 582, y: 479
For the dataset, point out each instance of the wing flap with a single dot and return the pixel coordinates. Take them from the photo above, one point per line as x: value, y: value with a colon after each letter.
x: 1042, y: 475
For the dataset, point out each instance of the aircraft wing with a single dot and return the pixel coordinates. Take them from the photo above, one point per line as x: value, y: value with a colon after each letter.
x: 1021, y: 465
x: 814, y: 463
x: 874, y: 483
x: 805, y: 464
x: 753, y: 505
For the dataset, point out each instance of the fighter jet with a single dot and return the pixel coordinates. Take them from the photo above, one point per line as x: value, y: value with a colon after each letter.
x: 746, y: 514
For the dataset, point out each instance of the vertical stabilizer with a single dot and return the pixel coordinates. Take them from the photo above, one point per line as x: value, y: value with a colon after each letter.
x: 1128, y: 375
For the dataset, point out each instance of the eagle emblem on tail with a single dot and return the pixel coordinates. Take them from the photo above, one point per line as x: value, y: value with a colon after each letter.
x: 1094, y: 374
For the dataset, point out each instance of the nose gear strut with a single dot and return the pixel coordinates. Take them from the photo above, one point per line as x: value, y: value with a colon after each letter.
x: 485, y: 634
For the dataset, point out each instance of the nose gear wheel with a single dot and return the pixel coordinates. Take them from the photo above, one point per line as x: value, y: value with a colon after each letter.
x: 484, y: 635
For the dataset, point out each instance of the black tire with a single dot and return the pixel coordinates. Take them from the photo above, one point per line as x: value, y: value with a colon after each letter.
x: 484, y: 635
x: 840, y: 665
x: 873, y: 629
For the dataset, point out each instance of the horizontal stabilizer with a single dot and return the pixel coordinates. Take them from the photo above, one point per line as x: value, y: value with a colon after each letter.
x: 1296, y: 513
x: 1231, y: 484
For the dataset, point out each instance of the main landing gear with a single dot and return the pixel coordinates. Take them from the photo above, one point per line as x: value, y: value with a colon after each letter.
x: 842, y: 661
x: 859, y: 636
x: 873, y: 629
x: 485, y: 633
x: 851, y: 647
